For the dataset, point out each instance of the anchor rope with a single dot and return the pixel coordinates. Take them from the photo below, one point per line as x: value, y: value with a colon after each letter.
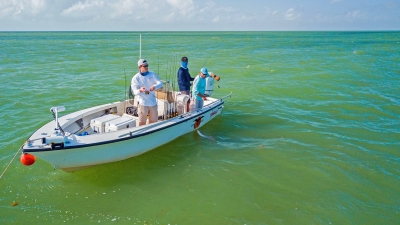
x: 11, y: 162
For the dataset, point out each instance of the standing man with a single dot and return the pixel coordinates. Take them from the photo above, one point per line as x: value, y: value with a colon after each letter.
x: 184, y: 77
x: 199, y: 87
x: 143, y: 85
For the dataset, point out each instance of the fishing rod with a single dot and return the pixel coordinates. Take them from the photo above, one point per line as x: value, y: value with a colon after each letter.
x: 212, y: 74
x: 175, y: 61
x: 125, y: 90
x: 170, y: 110
x: 174, y: 84
x: 126, y: 96
x: 206, y: 61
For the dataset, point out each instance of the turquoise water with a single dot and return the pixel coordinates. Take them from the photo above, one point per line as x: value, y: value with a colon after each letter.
x: 311, y: 134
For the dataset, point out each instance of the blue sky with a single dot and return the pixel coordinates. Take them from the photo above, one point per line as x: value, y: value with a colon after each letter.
x: 198, y: 15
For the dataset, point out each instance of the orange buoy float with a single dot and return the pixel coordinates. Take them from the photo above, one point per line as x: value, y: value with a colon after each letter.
x: 27, y: 159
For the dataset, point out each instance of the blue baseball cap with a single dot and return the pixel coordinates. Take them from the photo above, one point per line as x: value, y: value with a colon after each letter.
x: 204, y: 71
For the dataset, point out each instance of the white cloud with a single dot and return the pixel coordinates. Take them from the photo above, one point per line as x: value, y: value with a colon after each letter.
x: 170, y: 17
x: 83, y: 7
x: 207, y: 8
x: 125, y: 11
x: 223, y: 9
x: 292, y: 14
x: 216, y: 19
x: 270, y: 14
x: 37, y: 5
x: 190, y: 14
x: 353, y: 14
x: 5, y: 10
x: 184, y: 6
x: 24, y: 7
x: 155, y: 11
x: 181, y: 4
x: 123, y: 8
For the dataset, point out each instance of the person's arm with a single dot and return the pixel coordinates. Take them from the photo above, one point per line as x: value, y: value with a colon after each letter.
x: 202, y: 96
x: 195, y: 91
x: 190, y: 77
x: 135, y: 86
x: 157, y: 83
x: 214, y: 76
x: 181, y: 77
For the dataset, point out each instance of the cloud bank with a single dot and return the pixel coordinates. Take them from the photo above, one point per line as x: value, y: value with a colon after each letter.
x: 135, y: 15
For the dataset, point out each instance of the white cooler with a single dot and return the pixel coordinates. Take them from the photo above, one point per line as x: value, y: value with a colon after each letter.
x: 120, y: 123
x: 99, y: 123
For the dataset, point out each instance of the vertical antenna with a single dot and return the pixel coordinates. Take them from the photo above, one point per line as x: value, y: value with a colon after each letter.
x: 140, y: 51
x: 125, y: 85
x: 125, y: 92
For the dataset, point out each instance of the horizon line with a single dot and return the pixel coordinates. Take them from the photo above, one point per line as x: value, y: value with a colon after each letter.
x: 137, y: 31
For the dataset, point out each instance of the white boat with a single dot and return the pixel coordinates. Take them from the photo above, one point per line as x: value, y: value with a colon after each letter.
x: 110, y: 132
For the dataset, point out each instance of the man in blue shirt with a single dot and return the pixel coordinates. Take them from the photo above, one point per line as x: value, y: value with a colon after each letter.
x: 184, y: 77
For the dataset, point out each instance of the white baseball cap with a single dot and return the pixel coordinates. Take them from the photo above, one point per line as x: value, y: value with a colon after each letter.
x: 142, y: 62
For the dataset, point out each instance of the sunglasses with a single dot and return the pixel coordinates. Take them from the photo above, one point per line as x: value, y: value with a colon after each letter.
x: 145, y: 66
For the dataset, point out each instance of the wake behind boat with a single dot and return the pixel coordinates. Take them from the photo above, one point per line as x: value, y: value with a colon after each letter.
x: 111, y: 132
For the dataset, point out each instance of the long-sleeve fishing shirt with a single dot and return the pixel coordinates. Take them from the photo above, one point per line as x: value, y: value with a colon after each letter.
x: 199, y: 86
x: 148, y: 80
x: 184, y: 79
